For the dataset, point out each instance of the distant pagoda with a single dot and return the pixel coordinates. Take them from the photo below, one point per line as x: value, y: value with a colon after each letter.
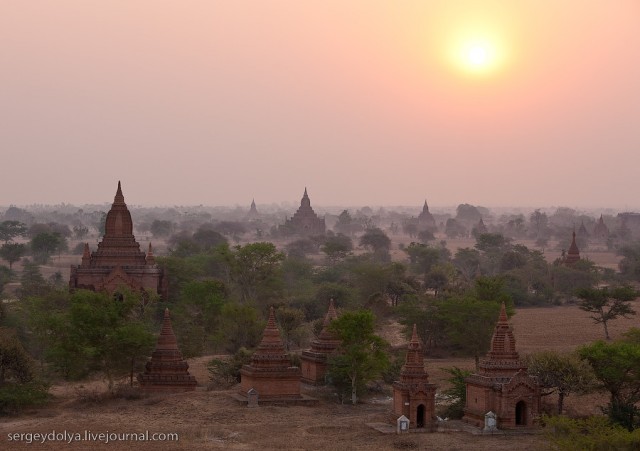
x: 314, y: 361
x: 573, y: 255
x: 305, y: 222
x: 426, y: 221
x: 167, y: 371
x: 118, y: 262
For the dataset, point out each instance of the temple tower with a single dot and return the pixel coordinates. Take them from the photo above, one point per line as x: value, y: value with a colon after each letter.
x: 167, y: 371
x: 305, y: 222
x: 573, y: 255
x: 314, y: 361
x: 118, y: 261
x: 502, y: 385
x: 413, y: 395
x: 270, y: 372
x: 426, y: 220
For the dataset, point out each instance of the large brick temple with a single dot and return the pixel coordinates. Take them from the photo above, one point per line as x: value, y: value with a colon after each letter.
x: 501, y: 384
x: 118, y: 261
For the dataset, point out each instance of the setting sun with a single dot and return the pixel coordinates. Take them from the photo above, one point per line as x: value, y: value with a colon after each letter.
x: 479, y: 56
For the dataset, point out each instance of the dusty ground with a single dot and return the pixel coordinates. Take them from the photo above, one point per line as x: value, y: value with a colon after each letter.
x: 211, y: 419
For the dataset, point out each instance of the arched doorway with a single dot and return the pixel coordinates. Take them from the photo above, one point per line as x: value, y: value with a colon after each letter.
x: 521, y: 413
x: 420, y: 416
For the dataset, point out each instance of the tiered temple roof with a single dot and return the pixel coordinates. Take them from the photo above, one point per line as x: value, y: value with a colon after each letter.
x: 118, y: 261
x: 413, y: 395
x: 305, y: 221
x: 314, y: 360
x: 573, y: 255
x: 426, y: 220
x: 501, y: 384
x: 167, y: 371
x: 270, y: 372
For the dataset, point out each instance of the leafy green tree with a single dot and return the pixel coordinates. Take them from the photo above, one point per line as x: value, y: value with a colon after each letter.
x: 616, y: 366
x: 468, y: 213
x: 607, y: 304
x: 12, y: 252
x: 378, y: 241
x: 196, y: 315
x: 453, y: 229
x: 345, y: 223
x: 630, y: 263
x: 19, y: 386
x: 80, y: 231
x: 593, y: 433
x: 240, y: 326
x: 362, y: 354
x: 95, y: 333
x: 208, y: 239
x: 32, y: 282
x: 255, y: 270
x: 423, y: 257
x: 225, y: 372
x: 301, y: 248
x: 290, y: 322
x: 561, y: 374
x: 11, y: 229
x: 161, y: 228
x: 45, y: 244
x: 467, y: 262
x: 337, y: 247
x: 457, y: 392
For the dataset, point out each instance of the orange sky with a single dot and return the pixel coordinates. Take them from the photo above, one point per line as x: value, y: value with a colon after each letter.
x: 219, y: 102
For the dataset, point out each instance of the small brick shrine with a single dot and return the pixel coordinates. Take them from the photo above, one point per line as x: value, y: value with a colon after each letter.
x: 314, y: 361
x: 413, y: 395
x: 502, y: 385
x: 167, y: 371
x: 270, y: 372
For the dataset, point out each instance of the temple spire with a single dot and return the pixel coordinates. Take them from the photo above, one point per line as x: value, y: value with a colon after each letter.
x: 167, y: 339
x: 119, y: 198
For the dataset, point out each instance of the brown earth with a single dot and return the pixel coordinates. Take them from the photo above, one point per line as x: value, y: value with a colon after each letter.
x: 211, y: 419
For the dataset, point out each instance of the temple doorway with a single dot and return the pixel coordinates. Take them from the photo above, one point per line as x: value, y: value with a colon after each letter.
x: 420, y: 416
x: 521, y: 413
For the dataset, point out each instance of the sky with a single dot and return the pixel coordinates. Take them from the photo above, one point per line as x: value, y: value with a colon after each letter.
x: 524, y: 103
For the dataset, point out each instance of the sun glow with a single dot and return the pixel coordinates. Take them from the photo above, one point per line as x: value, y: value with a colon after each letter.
x: 478, y: 55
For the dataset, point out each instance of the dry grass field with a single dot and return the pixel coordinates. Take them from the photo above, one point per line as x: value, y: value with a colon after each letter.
x: 211, y: 419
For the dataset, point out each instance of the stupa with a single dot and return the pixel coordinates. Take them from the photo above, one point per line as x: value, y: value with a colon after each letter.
x: 573, y: 255
x: 426, y: 220
x: 314, y: 361
x: 167, y: 371
x: 601, y: 231
x: 413, y: 395
x: 118, y: 261
x: 502, y: 385
x: 270, y: 372
x: 305, y: 222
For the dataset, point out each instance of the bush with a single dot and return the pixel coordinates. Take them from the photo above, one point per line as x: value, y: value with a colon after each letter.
x: 593, y: 433
x: 14, y: 397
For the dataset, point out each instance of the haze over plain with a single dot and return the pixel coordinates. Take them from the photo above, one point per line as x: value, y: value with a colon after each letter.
x: 199, y: 102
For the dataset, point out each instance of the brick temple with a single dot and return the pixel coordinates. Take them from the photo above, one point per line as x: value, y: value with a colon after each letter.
x: 502, y: 385
x: 304, y: 221
x: 270, y: 372
x: 413, y: 395
x: 118, y: 261
x: 167, y: 371
x: 573, y: 255
x: 314, y: 361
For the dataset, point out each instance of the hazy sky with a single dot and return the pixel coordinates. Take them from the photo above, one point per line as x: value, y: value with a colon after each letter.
x: 219, y: 102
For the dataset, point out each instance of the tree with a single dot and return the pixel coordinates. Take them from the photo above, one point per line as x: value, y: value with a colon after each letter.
x: 95, y: 333
x: 80, y: 231
x: 337, y: 247
x: 44, y: 244
x: 378, y: 241
x: 457, y: 393
x: 12, y: 252
x: 240, y: 326
x: 361, y: 357
x: 160, y: 228
x: 453, y: 229
x: 561, y: 374
x: 630, y: 263
x: 423, y: 257
x: 345, y: 223
x: 208, y: 239
x: 11, y: 229
x: 616, y: 366
x: 32, y: 282
x: 254, y: 268
x: 607, y: 304
x: 290, y: 321
x: 468, y: 213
